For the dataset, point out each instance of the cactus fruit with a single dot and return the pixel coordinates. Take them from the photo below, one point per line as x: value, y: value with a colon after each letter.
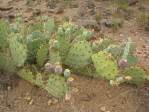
x: 105, y: 65
x: 122, y: 63
x: 136, y: 74
x: 79, y: 55
x: 18, y: 51
x: 42, y: 55
x: 55, y: 84
x: 67, y: 73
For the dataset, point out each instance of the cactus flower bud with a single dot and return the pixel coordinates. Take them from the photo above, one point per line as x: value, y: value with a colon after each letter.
x: 122, y: 63
x: 67, y: 73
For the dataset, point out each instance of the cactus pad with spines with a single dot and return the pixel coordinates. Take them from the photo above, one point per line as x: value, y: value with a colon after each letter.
x: 54, y: 84
x: 4, y: 32
x: 79, y: 55
x: 18, y: 51
x: 137, y: 75
x: 105, y: 65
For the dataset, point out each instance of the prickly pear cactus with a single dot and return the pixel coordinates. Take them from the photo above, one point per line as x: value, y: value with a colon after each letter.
x: 115, y: 50
x: 18, y: 51
x: 49, y: 26
x: 136, y: 74
x: 105, y: 65
x: 4, y: 31
x: 42, y: 55
x: 54, y: 55
x: 79, y: 55
x: 55, y: 84
x: 64, y: 37
x: 100, y: 45
x: 6, y: 63
x: 67, y: 33
x: 34, y: 41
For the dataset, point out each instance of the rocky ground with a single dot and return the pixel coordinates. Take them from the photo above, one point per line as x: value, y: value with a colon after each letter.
x: 106, y: 18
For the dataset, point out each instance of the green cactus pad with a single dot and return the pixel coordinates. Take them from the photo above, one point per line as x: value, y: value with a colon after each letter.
x: 6, y: 63
x: 55, y: 84
x: 105, y: 65
x: 18, y: 51
x: 79, y: 55
x: 4, y: 31
x: 137, y: 74
x: 42, y: 54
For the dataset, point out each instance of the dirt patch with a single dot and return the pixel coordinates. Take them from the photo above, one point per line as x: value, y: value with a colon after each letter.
x: 88, y: 95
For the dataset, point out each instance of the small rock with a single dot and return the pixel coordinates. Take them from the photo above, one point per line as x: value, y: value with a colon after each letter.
x: 68, y: 96
x: 54, y: 101
x: 27, y: 98
x: 103, y: 109
x: 9, y: 88
x: 31, y: 102
x: 49, y: 102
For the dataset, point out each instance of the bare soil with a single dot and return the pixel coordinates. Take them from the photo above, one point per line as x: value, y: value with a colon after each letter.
x: 88, y: 95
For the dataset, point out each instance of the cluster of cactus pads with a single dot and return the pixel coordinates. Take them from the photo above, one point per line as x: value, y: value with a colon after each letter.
x: 54, y: 84
x: 71, y: 46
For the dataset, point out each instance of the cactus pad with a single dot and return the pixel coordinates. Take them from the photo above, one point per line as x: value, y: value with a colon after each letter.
x: 79, y: 55
x: 18, y: 51
x: 137, y: 75
x: 55, y: 84
x: 42, y: 55
x: 105, y: 65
